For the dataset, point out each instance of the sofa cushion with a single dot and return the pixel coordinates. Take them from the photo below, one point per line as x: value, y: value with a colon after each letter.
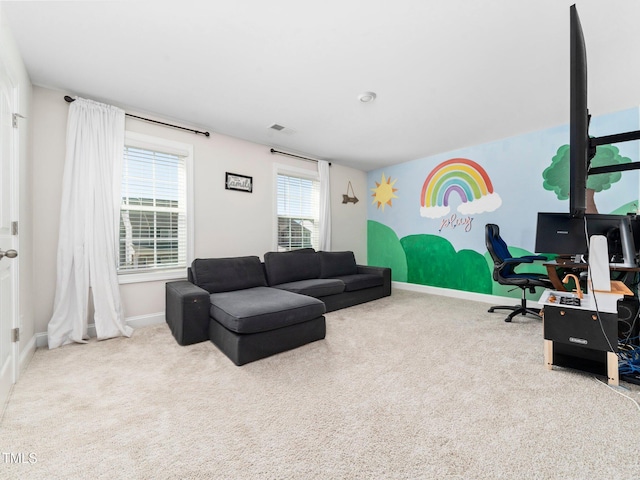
x: 285, y: 267
x: 360, y: 281
x: 227, y: 274
x: 335, y: 264
x: 260, y: 309
x: 317, y: 287
x: 303, y: 250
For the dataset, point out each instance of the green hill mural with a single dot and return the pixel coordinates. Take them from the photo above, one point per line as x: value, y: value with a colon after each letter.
x: 630, y: 207
x: 432, y: 260
x: 384, y: 250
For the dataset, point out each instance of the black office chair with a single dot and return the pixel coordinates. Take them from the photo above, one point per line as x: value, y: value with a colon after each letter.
x: 504, y: 272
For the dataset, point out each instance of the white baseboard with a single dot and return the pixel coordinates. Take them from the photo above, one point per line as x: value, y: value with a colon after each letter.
x: 145, y: 320
x: 473, y: 296
x: 41, y: 340
x: 27, y: 353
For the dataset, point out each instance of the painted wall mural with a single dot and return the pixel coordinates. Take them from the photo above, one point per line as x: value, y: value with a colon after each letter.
x: 556, y: 176
x: 463, y: 177
x: 441, y: 242
x: 384, y: 193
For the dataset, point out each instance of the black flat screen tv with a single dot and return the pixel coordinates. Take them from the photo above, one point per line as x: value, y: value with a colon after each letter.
x: 578, y: 119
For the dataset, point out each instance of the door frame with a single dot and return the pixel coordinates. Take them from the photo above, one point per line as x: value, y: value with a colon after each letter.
x: 14, y: 243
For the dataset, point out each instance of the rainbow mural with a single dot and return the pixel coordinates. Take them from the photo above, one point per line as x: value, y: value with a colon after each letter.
x: 464, y: 177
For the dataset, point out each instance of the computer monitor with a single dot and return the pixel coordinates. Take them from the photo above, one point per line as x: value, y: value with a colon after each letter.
x: 561, y: 233
x: 564, y: 235
x: 620, y: 238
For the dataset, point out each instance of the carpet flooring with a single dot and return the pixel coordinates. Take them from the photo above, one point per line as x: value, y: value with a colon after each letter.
x: 413, y: 386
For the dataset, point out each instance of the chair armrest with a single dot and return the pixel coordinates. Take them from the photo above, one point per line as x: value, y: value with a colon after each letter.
x: 536, y: 257
x: 187, y: 312
x: 516, y: 260
x: 525, y: 259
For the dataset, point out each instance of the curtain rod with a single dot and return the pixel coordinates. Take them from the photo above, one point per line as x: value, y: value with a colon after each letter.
x: 68, y: 99
x: 296, y: 156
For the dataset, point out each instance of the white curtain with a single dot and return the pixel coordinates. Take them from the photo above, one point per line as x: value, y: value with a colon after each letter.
x: 325, y: 206
x: 89, y: 224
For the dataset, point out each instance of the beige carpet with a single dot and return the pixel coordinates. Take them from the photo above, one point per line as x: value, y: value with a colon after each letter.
x: 413, y: 386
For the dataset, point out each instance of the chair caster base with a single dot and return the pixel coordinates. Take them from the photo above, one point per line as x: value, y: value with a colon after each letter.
x: 516, y: 310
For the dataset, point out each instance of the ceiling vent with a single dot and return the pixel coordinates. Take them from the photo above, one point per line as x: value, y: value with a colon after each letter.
x: 277, y: 127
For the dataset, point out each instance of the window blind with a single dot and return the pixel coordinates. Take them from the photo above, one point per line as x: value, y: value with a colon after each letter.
x: 153, y: 212
x: 298, y: 212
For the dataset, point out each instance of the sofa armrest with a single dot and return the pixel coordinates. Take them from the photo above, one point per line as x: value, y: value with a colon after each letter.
x: 374, y: 270
x: 187, y: 312
x: 384, y: 272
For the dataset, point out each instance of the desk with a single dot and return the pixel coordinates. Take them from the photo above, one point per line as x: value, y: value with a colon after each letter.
x: 573, y: 336
x: 552, y: 271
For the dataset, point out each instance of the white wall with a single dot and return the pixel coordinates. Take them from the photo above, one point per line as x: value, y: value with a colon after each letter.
x: 12, y: 61
x: 227, y: 223
x: 349, y: 221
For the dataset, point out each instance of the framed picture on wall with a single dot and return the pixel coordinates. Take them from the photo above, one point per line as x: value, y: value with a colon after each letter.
x: 242, y: 183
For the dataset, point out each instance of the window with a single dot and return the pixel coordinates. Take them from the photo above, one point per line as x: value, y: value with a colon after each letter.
x: 154, y: 214
x: 298, y: 211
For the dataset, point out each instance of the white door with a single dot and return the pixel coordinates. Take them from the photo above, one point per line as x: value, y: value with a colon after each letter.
x: 8, y: 241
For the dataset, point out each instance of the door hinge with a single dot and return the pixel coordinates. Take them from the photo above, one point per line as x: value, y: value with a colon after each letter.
x: 15, y: 335
x: 14, y: 119
x: 14, y: 228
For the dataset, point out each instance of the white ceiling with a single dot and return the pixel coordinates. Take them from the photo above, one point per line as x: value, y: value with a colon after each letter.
x: 447, y: 73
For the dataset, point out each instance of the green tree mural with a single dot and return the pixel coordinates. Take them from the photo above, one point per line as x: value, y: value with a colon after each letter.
x: 556, y: 175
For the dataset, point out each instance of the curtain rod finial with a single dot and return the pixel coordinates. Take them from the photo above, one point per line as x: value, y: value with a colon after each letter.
x: 68, y: 99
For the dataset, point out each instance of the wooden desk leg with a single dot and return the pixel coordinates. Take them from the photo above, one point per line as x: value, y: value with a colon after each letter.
x: 552, y: 273
x: 612, y: 369
x: 548, y: 354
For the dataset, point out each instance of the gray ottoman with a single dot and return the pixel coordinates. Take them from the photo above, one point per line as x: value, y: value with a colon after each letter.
x: 257, y: 322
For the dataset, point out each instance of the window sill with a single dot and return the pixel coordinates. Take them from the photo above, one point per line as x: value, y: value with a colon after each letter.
x: 178, y: 274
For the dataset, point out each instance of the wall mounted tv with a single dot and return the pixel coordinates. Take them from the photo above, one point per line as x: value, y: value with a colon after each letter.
x: 579, y: 154
x: 582, y: 146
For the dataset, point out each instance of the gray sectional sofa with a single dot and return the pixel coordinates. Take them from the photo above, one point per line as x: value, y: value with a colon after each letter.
x: 251, y: 310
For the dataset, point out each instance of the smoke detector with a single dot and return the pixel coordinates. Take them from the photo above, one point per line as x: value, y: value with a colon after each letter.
x: 367, y: 97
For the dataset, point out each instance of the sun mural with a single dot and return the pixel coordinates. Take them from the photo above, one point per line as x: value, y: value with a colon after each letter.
x: 384, y: 192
